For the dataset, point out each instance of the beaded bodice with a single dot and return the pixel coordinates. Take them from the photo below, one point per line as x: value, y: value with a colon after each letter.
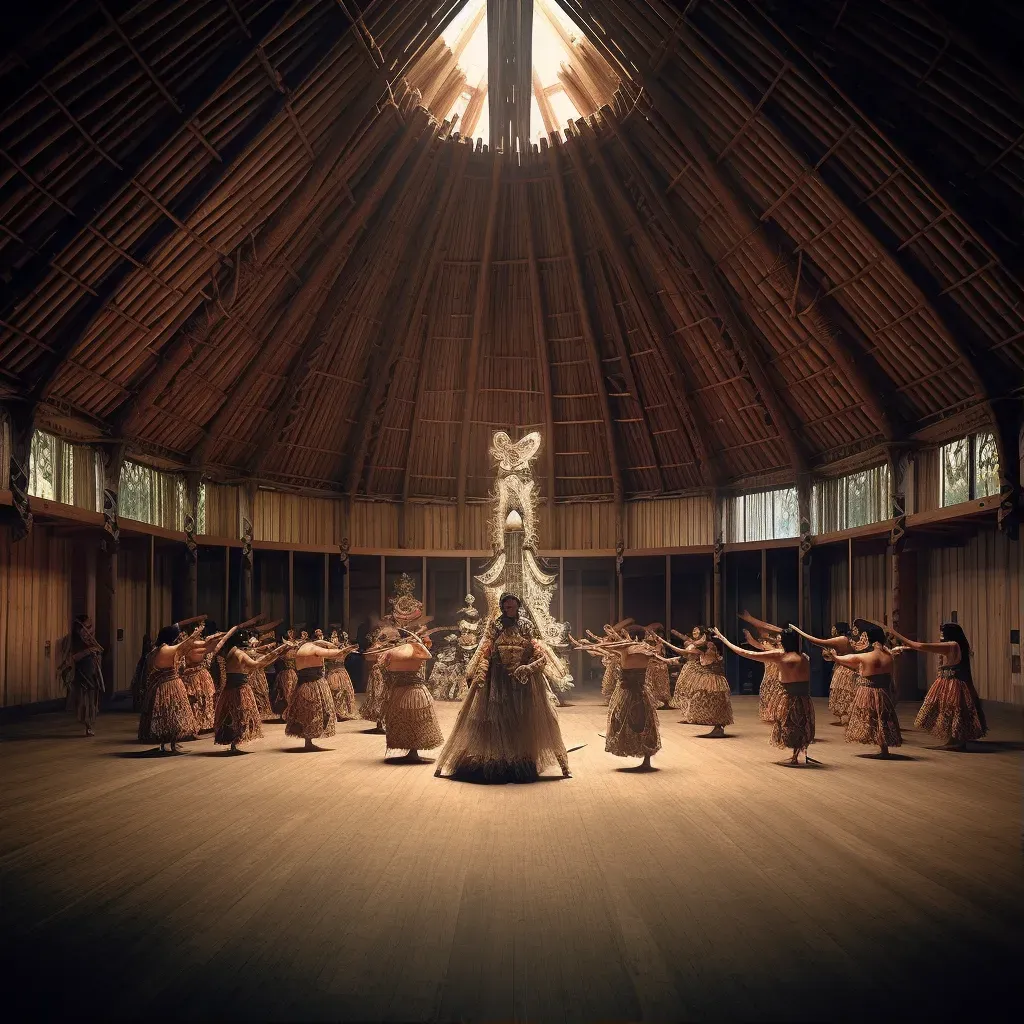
x: 512, y: 647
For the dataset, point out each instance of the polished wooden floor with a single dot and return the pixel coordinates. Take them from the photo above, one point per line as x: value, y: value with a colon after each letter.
x: 281, y: 885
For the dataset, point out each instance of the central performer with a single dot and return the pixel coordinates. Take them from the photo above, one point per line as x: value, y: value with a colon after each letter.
x: 507, y: 730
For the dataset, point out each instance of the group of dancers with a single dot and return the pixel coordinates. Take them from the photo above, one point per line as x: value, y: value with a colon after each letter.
x: 196, y: 679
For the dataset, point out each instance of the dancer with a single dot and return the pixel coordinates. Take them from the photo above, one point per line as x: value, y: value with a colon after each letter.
x: 339, y: 680
x: 767, y: 639
x: 793, y: 726
x: 843, y: 685
x: 237, y: 718
x: 708, y: 695
x: 632, y: 728
x: 952, y: 708
x: 167, y: 716
x: 690, y: 651
x: 258, y: 678
x: 507, y: 730
x: 372, y: 708
x: 81, y: 674
x: 286, y: 677
x: 412, y: 723
x: 311, y: 711
x: 447, y: 681
x: 657, y: 668
x: 873, y: 716
x: 195, y: 674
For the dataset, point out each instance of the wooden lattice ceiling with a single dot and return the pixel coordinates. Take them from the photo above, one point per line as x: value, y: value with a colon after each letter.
x: 231, y: 236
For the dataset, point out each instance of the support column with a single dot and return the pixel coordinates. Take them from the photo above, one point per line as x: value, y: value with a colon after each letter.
x: 246, y: 515
x: 21, y: 417
x: 1009, y: 419
x: 803, y: 497
x: 902, y: 575
x: 105, y: 617
x: 191, y: 597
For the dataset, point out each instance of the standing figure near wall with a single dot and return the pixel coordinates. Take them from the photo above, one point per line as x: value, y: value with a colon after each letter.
x: 258, y: 680
x: 412, y: 723
x: 793, y: 725
x: 708, y: 695
x: 80, y: 673
x: 311, y: 711
x: 195, y: 674
x: 844, y: 684
x: 139, y: 676
x: 507, y: 730
x: 951, y: 709
x: 873, y: 716
x: 167, y: 716
x: 339, y: 680
x: 238, y: 718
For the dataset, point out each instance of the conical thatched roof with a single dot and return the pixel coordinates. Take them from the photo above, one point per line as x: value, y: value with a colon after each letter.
x: 233, y: 237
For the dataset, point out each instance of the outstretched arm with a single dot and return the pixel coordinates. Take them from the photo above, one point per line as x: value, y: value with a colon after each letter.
x: 817, y: 641
x: 943, y: 647
x: 765, y: 627
x: 752, y: 655
x: 849, y: 660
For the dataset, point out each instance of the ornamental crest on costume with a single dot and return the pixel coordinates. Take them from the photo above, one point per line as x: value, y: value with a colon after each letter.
x: 405, y: 608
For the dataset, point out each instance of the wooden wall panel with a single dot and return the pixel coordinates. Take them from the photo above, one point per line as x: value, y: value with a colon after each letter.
x: 981, y: 581
x: 165, y: 564
x: 37, y: 611
x: 872, y: 598
x: 221, y: 511
x: 435, y: 528
x: 585, y: 526
x: 926, y: 480
x: 130, y: 609
x: 374, y: 525
x: 670, y: 522
x: 298, y: 519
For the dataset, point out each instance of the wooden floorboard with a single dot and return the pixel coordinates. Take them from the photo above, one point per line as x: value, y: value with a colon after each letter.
x: 291, y: 886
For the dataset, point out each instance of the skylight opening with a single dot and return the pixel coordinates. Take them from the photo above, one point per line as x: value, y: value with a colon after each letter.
x: 556, y: 61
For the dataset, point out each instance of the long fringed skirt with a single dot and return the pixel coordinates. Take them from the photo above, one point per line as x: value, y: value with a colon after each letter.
x: 202, y: 695
x: 237, y: 718
x: 372, y: 709
x: 793, y: 726
x: 447, y: 682
x: 632, y: 729
x: 710, y: 699
x: 873, y: 718
x: 770, y: 695
x: 609, y: 681
x: 261, y: 691
x: 681, y: 694
x: 841, y: 691
x: 344, y: 693
x: 659, y: 682
x: 411, y: 719
x: 506, y: 731
x: 950, y: 711
x: 84, y: 701
x: 287, y: 679
x: 167, y: 714
x: 311, y: 711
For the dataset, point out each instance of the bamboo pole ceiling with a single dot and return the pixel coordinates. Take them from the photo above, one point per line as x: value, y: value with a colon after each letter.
x: 233, y: 234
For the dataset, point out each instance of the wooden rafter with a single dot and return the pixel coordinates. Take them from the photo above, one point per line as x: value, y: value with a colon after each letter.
x: 589, y: 335
x: 675, y: 380
x: 483, y: 291
x: 733, y: 321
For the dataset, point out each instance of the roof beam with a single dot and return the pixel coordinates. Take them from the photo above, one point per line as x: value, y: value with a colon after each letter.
x: 77, y: 326
x: 281, y: 226
x: 540, y: 338
x: 416, y: 329
x: 736, y: 333
x: 156, y: 133
x: 314, y: 289
x: 674, y: 378
x: 384, y: 237
x: 483, y: 295
x: 587, y: 326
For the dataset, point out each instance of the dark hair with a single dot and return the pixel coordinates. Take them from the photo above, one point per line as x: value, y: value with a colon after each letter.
x: 842, y: 628
x: 790, y: 641
x: 84, y: 617
x: 875, y: 634
x: 209, y: 626
x: 507, y: 596
x: 713, y: 641
x: 953, y: 633
x: 237, y: 639
x: 168, y: 635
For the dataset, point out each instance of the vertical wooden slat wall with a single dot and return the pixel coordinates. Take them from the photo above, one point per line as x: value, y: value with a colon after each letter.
x: 37, y: 611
